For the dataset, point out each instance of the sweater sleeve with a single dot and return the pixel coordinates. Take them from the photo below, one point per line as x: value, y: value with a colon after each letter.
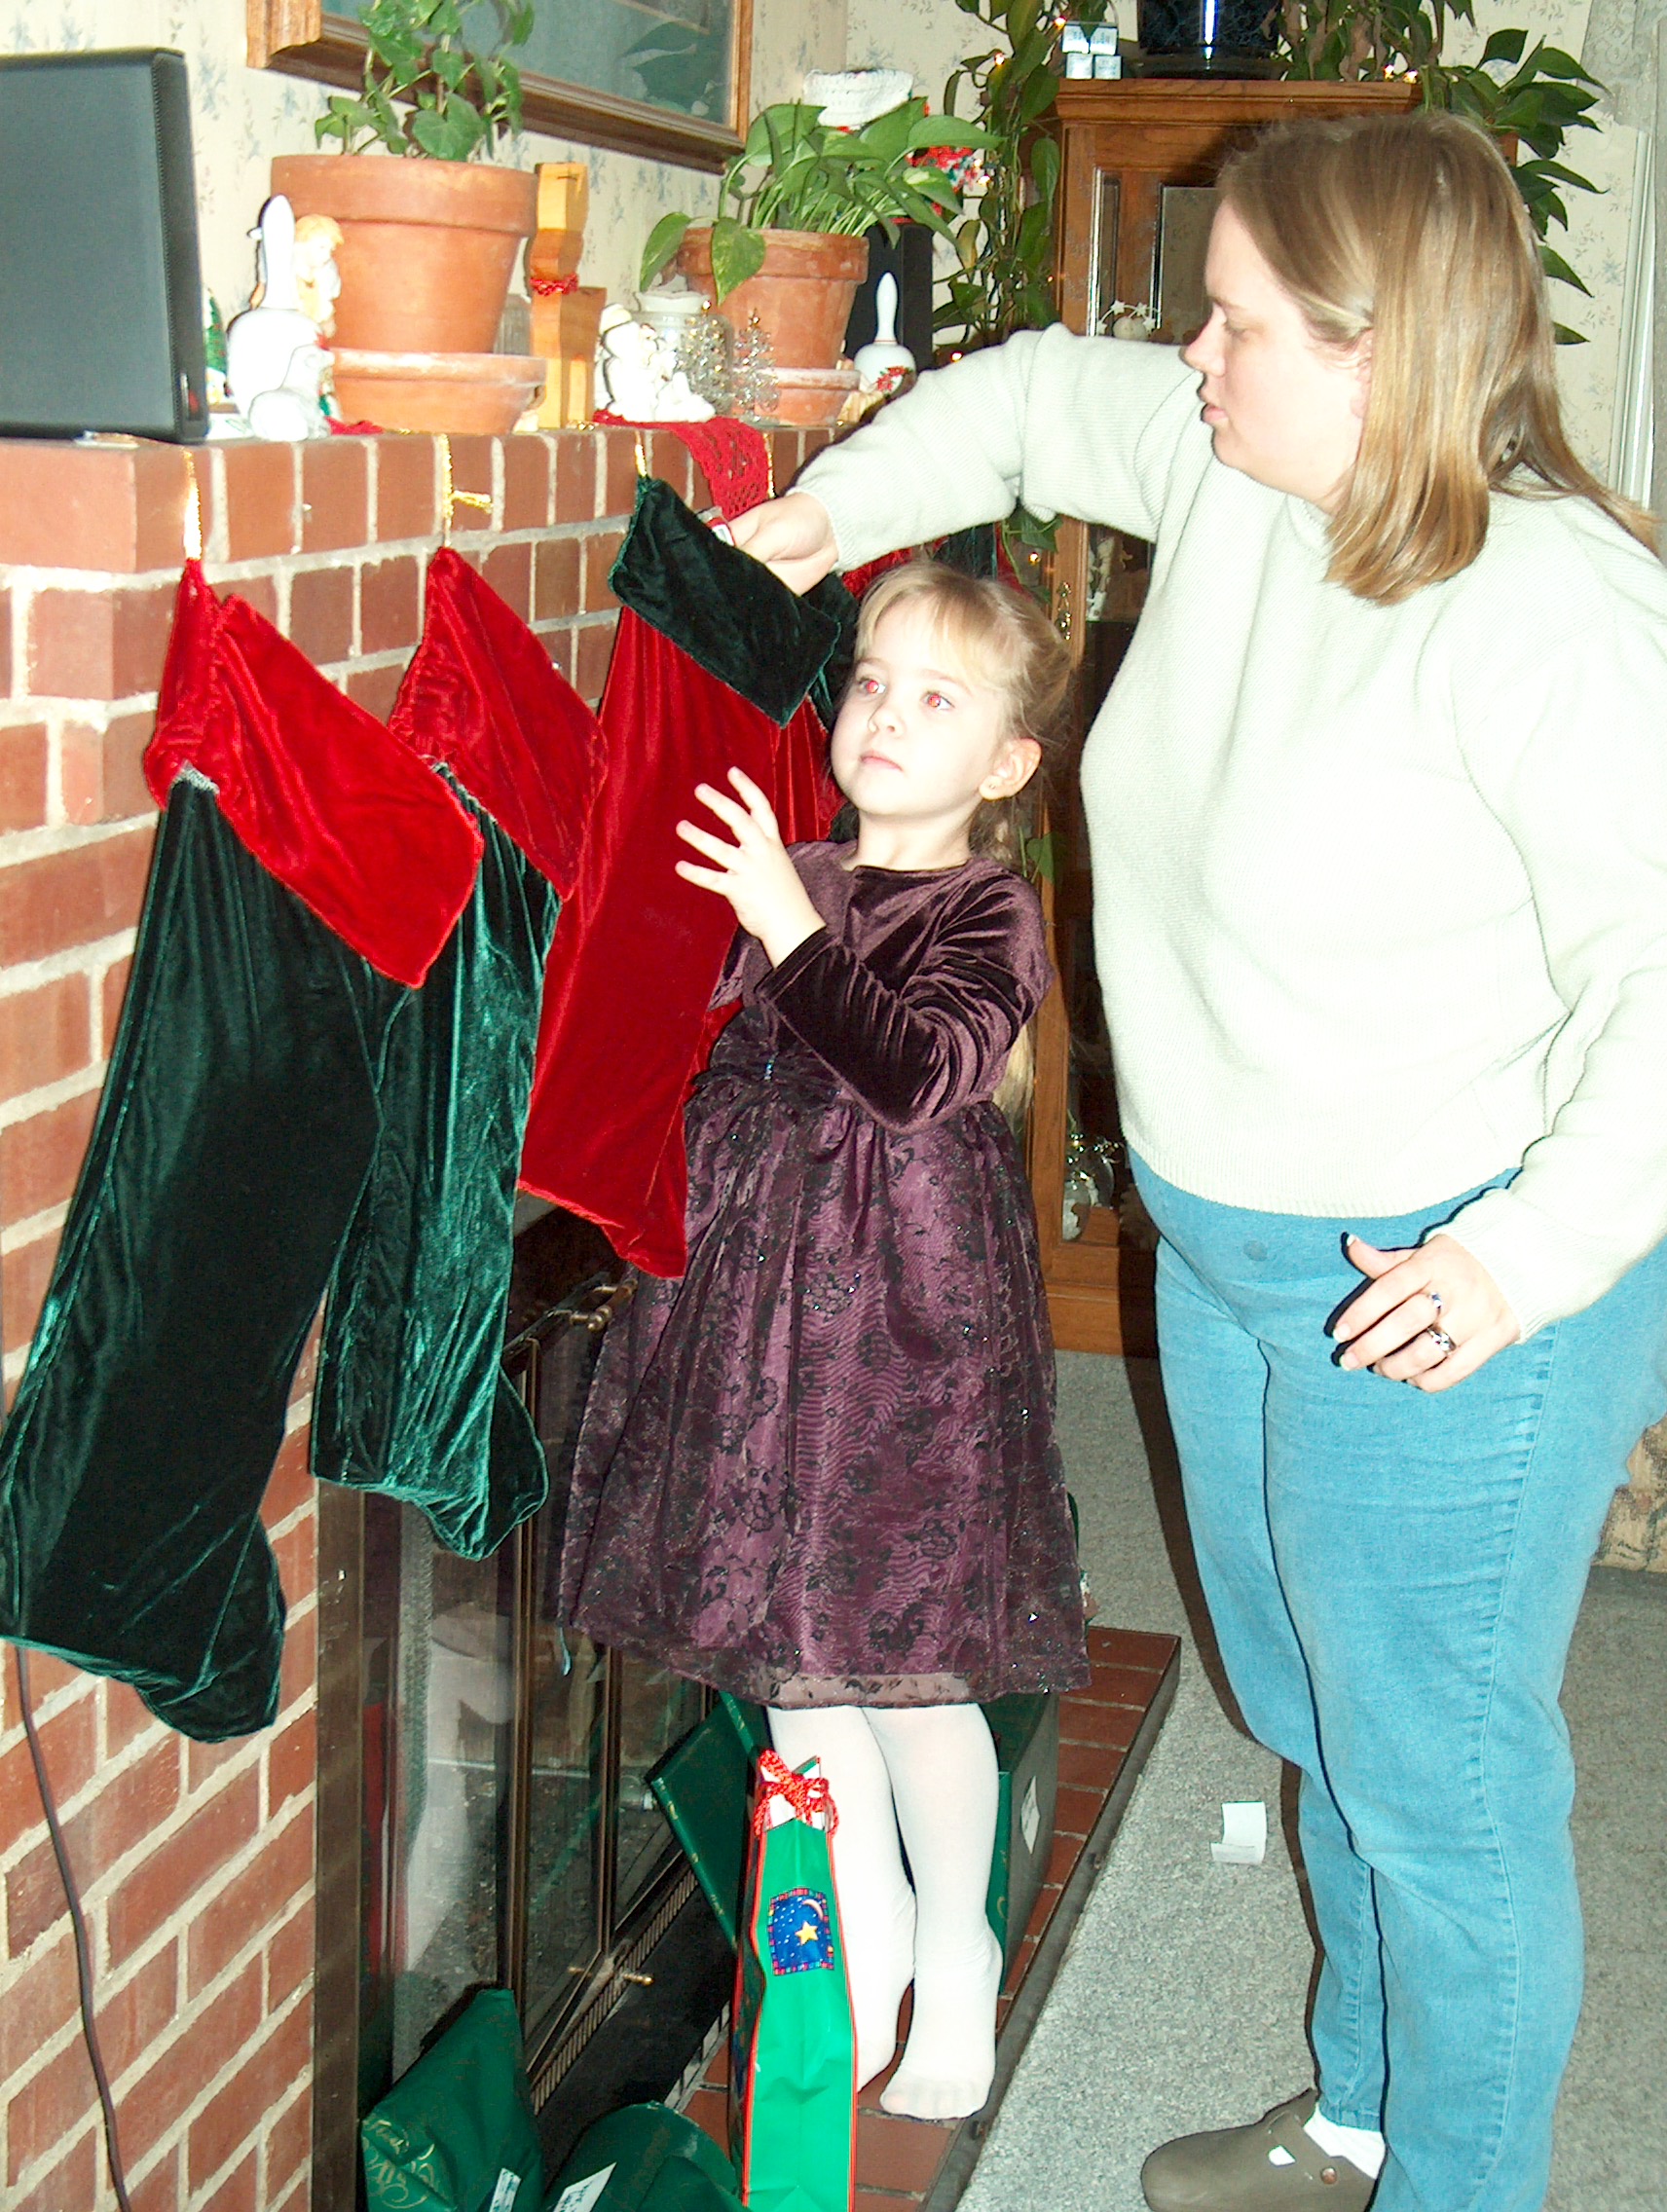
x: 923, y: 1050
x: 1086, y: 426
x: 1572, y: 761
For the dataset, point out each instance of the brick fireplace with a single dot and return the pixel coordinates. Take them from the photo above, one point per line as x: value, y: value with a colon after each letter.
x: 197, y: 1865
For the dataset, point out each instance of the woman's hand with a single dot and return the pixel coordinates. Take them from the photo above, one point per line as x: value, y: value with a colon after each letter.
x: 753, y: 873
x: 1429, y: 1316
x: 792, y: 536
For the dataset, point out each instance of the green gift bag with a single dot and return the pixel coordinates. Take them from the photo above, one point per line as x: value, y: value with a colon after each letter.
x: 645, y: 2158
x: 702, y: 1786
x: 1025, y: 1728
x: 792, y: 2062
x: 456, y: 2133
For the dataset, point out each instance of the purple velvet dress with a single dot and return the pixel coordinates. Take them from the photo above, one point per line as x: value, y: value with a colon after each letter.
x: 819, y: 1469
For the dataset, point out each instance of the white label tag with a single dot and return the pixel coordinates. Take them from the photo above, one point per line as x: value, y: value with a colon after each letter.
x: 1243, y: 1835
x: 508, y: 2190
x: 1030, y: 1816
x: 581, y: 2195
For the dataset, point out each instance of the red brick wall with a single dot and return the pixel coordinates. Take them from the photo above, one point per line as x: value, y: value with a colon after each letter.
x: 197, y: 1865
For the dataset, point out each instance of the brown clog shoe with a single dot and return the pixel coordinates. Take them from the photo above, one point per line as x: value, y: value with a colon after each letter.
x: 1227, y: 2169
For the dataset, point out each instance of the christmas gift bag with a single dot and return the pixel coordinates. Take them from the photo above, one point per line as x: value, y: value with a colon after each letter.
x: 456, y: 2133
x: 702, y: 1786
x: 645, y: 2158
x: 793, y: 2065
x: 1027, y: 1732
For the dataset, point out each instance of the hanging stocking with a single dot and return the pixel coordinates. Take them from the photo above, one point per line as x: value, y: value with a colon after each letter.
x: 411, y: 1398
x: 308, y: 870
x: 713, y: 668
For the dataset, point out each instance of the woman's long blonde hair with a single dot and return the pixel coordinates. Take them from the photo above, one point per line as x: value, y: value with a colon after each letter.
x: 1410, y: 228
x: 998, y: 634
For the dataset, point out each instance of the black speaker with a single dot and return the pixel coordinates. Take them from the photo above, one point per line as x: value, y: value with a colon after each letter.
x: 100, y: 292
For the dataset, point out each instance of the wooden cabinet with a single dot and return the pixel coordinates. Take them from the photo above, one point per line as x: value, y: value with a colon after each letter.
x: 1137, y: 195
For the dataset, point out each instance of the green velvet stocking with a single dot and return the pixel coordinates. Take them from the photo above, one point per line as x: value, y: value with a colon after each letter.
x: 236, y: 1125
x: 411, y: 1398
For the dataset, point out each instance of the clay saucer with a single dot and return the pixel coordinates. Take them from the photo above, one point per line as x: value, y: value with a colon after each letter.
x: 485, y: 394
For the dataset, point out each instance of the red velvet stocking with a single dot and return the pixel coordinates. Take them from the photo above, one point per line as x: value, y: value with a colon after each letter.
x: 321, y: 794
x: 627, y: 1021
x: 482, y: 696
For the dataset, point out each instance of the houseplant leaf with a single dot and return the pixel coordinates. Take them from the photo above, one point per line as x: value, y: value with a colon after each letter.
x: 663, y: 242
x: 737, y: 253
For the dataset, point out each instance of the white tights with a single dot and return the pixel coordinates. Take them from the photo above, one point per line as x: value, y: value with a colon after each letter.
x: 930, y: 1771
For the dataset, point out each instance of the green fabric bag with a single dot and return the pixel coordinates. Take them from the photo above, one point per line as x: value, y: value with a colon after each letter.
x: 456, y: 2133
x: 702, y: 1786
x: 1027, y: 1732
x: 645, y: 2158
x: 793, y: 2060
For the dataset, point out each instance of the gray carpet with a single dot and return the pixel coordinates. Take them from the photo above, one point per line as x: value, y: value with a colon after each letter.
x: 1181, y: 2002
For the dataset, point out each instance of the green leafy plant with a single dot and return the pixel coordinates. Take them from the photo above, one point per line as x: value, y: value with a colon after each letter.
x: 426, y: 91
x: 1005, y: 247
x: 1005, y: 243
x: 797, y: 173
x: 1536, y: 94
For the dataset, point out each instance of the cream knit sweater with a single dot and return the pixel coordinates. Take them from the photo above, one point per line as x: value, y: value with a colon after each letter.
x: 1380, y: 892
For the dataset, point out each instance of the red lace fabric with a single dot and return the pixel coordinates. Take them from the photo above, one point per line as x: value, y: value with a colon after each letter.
x: 732, y: 455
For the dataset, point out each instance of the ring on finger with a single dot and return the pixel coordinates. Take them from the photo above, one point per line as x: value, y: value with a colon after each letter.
x: 1442, y: 1341
x: 1436, y: 1300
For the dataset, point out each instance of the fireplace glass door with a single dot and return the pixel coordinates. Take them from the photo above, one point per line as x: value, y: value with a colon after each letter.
x: 510, y: 1838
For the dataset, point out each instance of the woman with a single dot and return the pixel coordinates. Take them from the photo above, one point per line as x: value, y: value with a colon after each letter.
x: 1378, y: 812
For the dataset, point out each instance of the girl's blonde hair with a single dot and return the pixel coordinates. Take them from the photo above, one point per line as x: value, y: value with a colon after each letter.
x: 1006, y: 645
x: 1411, y: 228
x: 999, y: 635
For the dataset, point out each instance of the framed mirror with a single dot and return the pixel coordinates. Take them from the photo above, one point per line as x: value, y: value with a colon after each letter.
x: 666, y: 79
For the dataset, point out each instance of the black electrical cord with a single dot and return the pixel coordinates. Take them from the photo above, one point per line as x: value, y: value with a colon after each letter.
x: 78, y: 1925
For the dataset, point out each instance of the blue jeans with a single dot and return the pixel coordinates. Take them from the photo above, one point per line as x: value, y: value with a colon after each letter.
x: 1393, y: 1577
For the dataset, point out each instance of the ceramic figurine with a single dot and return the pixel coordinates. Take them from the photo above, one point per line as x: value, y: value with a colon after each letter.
x: 274, y: 364
x: 318, y: 281
x: 882, y: 365
x: 637, y: 375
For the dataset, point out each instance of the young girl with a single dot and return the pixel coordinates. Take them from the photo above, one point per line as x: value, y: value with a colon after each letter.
x: 819, y: 1470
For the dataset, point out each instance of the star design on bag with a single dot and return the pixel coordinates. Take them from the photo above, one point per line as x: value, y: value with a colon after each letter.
x: 800, y: 1932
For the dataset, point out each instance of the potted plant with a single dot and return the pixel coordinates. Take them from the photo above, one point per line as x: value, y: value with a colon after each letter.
x: 429, y: 234
x: 787, y: 249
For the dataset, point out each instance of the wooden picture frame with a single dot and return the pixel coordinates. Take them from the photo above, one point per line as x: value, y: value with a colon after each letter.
x: 304, y: 38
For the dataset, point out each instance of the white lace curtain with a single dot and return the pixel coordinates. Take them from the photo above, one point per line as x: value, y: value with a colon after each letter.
x: 1625, y: 49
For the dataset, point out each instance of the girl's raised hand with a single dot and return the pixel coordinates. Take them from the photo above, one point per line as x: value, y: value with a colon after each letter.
x: 792, y: 536
x: 753, y: 873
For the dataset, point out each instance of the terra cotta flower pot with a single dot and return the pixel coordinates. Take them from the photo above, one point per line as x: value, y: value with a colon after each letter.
x: 428, y: 247
x: 802, y: 297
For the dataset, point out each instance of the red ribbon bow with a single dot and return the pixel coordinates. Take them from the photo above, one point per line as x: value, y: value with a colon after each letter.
x: 806, y: 1794
x: 543, y: 286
